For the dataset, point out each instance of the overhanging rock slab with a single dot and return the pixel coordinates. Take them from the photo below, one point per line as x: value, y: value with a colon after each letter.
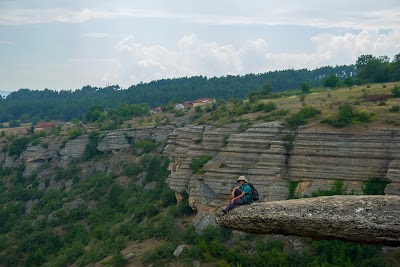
x: 362, y: 219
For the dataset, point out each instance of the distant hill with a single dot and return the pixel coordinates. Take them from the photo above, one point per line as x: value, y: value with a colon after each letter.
x: 65, y: 105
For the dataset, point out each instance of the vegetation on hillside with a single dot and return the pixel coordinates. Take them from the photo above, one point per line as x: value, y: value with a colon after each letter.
x: 101, y: 215
x: 67, y: 104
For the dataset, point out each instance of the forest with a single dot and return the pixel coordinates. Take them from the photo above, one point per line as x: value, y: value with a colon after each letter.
x: 28, y: 105
x: 33, y: 105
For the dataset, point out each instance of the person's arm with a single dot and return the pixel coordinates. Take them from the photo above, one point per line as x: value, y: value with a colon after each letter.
x: 238, y: 197
x: 233, y: 192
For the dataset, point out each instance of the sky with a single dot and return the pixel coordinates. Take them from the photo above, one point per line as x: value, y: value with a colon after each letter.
x: 62, y: 45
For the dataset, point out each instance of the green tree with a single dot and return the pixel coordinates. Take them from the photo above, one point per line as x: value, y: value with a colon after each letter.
x: 95, y: 113
x: 331, y: 81
x: 305, y: 88
x: 394, y: 70
x: 349, y: 81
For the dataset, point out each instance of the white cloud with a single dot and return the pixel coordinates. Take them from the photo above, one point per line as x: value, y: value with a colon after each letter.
x: 194, y: 56
x: 97, y: 35
x: 278, y: 14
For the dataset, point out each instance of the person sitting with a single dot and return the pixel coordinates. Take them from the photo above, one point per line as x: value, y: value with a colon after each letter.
x: 240, y: 195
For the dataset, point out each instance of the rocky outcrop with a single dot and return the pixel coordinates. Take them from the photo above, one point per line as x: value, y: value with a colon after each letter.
x: 275, y: 159
x: 363, y: 219
x: 159, y: 133
x: 35, y: 157
x: 74, y: 149
x: 120, y: 139
x: 113, y: 141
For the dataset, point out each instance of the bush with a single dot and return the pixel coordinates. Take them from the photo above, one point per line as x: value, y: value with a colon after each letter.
x: 147, y: 145
x: 159, y: 254
x: 336, y: 189
x: 395, y: 108
x: 243, y: 127
x: 396, y: 91
x: 132, y: 169
x: 179, y: 113
x: 270, y: 106
x: 374, y: 186
x: 18, y: 145
x: 347, y: 115
x: 197, y: 163
x: 301, y: 117
x: 225, y: 140
x: 74, y: 133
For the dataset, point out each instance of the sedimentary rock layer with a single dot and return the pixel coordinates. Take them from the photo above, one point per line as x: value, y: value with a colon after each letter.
x: 363, y: 219
x: 312, y: 161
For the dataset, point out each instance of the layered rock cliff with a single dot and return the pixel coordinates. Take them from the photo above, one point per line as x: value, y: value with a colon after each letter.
x: 57, y: 151
x: 273, y: 158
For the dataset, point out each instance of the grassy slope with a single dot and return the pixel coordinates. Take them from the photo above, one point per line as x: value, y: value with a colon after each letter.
x: 328, y: 102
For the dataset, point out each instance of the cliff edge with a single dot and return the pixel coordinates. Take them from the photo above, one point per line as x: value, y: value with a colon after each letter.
x: 362, y: 219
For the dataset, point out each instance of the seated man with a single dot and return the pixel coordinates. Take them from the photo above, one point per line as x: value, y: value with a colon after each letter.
x: 240, y: 195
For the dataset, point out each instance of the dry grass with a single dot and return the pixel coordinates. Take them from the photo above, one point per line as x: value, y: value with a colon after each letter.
x: 328, y: 103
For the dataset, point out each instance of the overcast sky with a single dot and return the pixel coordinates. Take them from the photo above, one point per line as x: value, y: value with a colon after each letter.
x: 60, y: 44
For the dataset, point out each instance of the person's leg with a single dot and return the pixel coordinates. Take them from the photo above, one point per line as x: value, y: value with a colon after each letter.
x: 235, y: 203
x: 237, y: 192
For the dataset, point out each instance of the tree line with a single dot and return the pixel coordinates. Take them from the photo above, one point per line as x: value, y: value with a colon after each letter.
x: 33, y: 105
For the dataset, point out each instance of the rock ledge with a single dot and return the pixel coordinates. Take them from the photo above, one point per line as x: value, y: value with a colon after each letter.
x: 362, y: 219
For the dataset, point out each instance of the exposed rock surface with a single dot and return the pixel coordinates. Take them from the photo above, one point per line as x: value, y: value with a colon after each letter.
x: 113, y: 141
x: 364, y: 219
x: 35, y: 157
x: 74, y: 149
x: 314, y: 160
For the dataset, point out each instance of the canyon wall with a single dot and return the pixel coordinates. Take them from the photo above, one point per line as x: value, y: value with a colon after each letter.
x: 265, y: 154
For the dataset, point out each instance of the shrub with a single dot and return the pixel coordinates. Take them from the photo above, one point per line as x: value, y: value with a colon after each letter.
x: 159, y: 254
x: 18, y: 145
x: 91, y: 148
x: 197, y: 163
x: 258, y: 106
x: 132, y: 169
x: 225, y: 140
x: 179, y: 113
x: 243, y: 127
x: 270, y: 106
x: 347, y: 115
x: 146, y: 144
x: 301, y: 117
x: 336, y: 189
x: 198, y: 141
x: 292, y: 186
x: 396, y: 91
x: 74, y: 133
x: 395, y: 108
x: 374, y: 186
x: 288, y: 138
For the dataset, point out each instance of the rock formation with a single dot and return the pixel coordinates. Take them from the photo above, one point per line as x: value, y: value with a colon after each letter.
x: 364, y: 219
x: 264, y: 153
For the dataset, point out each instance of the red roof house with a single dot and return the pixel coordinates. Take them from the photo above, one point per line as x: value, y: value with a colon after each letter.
x: 45, y: 125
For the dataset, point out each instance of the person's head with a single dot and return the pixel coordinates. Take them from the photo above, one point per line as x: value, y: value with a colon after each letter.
x: 242, y: 180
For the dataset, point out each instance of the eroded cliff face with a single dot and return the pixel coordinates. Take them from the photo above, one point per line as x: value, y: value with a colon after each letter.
x: 314, y: 159
x: 52, y: 151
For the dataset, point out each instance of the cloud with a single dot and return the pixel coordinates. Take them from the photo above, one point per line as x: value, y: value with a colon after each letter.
x: 278, y: 14
x: 194, y: 56
x: 97, y: 35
